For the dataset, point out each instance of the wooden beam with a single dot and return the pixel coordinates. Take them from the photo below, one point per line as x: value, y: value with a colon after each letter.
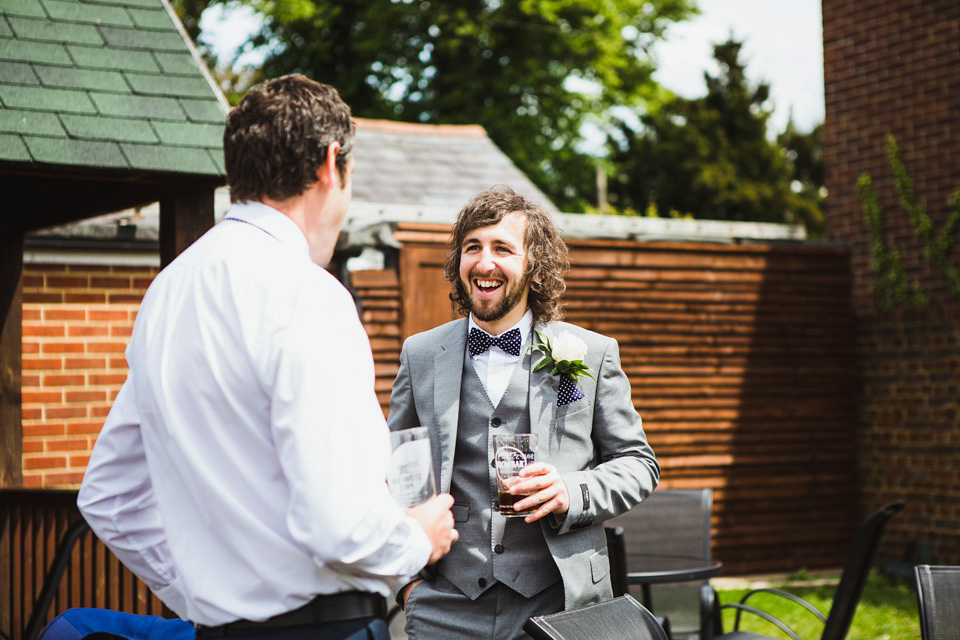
x: 185, y: 215
x: 11, y: 358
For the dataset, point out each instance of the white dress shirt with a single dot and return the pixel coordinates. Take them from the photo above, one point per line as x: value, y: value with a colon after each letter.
x: 495, y: 366
x: 241, y: 470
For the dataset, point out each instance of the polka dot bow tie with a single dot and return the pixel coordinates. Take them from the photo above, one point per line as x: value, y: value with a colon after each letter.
x: 480, y: 341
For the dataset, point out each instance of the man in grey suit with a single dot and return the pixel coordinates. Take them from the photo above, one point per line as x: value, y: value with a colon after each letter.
x: 478, y: 376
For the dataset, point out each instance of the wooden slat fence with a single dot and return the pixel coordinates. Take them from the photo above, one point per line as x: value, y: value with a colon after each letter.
x: 741, y: 359
x: 32, y: 523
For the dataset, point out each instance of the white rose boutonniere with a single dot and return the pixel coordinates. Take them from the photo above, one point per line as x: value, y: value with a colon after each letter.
x: 565, y: 354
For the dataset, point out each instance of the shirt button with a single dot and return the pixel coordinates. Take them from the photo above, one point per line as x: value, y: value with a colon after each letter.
x: 495, y: 422
x: 482, y: 582
x: 493, y: 463
x: 498, y: 548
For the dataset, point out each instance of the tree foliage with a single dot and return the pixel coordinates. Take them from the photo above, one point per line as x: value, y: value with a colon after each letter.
x: 509, y: 65
x: 711, y: 157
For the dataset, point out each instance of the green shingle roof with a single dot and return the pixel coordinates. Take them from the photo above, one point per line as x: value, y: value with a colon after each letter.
x: 105, y: 84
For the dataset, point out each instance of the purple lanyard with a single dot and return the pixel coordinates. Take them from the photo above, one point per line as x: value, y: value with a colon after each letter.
x: 255, y: 227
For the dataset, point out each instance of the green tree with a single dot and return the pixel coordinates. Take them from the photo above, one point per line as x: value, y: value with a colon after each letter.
x: 711, y: 157
x: 509, y: 65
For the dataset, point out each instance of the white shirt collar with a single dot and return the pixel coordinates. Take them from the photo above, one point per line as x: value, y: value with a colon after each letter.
x: 272, y: 222
x: 525, y: 324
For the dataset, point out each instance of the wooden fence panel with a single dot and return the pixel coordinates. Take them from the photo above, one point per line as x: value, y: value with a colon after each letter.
x: 32, y: 524
x: 741, y: 360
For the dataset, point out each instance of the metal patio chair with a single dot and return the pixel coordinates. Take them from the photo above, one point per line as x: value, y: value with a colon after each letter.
x: 845, y: 599
x: 618, y: 619
x: 938, y: 599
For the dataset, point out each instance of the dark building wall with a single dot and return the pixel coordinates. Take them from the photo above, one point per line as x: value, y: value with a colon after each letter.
x: 893, y: 67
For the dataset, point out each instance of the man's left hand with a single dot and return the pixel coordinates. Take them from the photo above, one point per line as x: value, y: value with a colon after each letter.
x: 546, y: 488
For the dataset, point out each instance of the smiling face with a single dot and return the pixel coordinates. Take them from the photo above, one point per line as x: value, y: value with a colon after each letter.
x: 493, y: 268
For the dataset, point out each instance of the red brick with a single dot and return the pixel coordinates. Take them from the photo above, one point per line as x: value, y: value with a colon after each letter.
x: 80, y: 460
x: 106, y: 347
x: 31, y: 414
x: 30, y: 347
x: 32, y: 281
x: 107, y: 378
x: 55, y: 413
x: 84, y: 428
x: 47, y: 330
x: 64, y: 314
x: 63, y: 347
x: 70, y: 444
x: 27, y: 381
x: 93, y: 298
x: 86, y: 396
x: 68, y: 282
x: 118, y: 363
x: 108, y: 314
x: 63, y: 380
x: 30, y: 315
x: 44, y: 462
x: 142, y: 283
x: 30, y: 297
x: 99, y: 412
x: 31, y: 397
x: 32, y: 480
x: 123, y: 330
x: 41, y: 363
x: 69, y: 478
x: 110, y: 283
x: 121, y: 298
x: 79, y: 330
x: 32, y: 446
x: 84, y: 363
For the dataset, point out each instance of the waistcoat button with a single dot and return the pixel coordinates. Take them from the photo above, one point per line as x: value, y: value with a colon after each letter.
x: 495, y: 422
x: 498, y: 548
x: 482, y: 582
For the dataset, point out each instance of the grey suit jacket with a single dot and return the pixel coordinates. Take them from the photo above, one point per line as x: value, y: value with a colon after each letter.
x: 596, y: 443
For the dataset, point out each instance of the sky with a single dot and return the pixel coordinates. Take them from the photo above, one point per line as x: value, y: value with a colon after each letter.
x: 783, y: 45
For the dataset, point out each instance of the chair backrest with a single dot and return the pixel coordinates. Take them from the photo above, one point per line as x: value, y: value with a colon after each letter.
x: 615, y: 619
x: 938, y: 598
x: 669, y: 522
x: 618, y: 560
x: 855, y: 572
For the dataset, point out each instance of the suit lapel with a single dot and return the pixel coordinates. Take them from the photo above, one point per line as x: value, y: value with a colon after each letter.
x: 448, y: 370
x: 542, y: 394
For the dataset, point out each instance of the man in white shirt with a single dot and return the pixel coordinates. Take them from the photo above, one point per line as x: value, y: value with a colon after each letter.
x: 241, y: 471
x: 476, y: 377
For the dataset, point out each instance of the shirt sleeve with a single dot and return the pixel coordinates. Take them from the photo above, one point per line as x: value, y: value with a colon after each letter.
x: 117, y: 501
x: 334, y: 447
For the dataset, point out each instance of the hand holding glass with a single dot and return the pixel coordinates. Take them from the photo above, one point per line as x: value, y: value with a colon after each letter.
x: 511, y: 454
x: 410, y: 476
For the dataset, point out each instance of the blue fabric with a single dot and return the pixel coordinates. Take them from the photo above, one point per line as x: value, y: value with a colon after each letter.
x: 74, y: 624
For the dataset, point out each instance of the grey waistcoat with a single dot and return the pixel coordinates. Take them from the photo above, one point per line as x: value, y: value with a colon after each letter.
x: 492, y: 548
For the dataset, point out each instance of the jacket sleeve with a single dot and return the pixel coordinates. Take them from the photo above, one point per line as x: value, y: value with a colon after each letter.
x: 403, y: 411
x: 627, y: 470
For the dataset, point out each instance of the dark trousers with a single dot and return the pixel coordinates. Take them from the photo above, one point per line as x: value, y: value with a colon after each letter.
x: 359, y: 629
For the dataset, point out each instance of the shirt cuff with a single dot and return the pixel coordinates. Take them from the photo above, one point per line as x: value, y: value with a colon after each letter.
x: 173, y: 597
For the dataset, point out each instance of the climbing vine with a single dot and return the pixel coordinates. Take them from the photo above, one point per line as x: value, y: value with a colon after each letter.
x: 891, y: 287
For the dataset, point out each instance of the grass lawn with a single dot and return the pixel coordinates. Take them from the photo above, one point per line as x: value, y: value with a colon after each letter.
x: 887, y: 610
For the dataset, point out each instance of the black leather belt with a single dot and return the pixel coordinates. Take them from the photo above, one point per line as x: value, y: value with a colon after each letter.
x: 336, y: 607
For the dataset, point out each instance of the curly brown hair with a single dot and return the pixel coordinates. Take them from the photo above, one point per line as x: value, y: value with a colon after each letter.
x: 547, y: 254
x: 277, y: 138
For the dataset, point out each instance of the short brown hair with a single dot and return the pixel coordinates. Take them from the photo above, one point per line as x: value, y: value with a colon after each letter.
x: 277, y: 138
x: 547, y: 254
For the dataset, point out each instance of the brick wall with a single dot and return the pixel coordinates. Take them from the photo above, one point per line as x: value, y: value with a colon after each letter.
x: 909, y: 441
x: 893, y: 67
x: 76, y: 323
